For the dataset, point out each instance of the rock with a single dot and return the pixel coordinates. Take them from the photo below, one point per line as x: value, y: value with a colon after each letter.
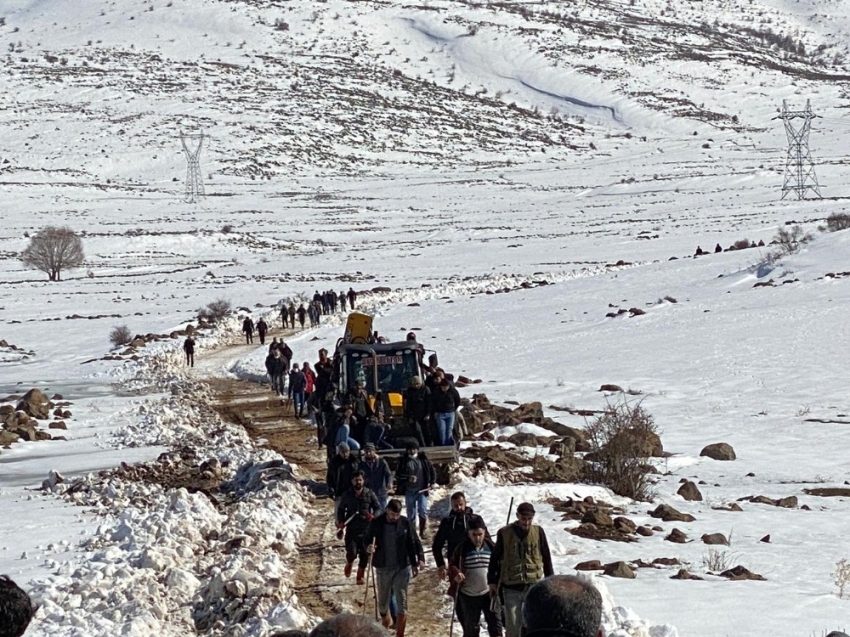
x: 619, y: 569
x: 715, y: 538
x: 57, y: 424
x: 590, y: 565
x: 35, y: 404
x: 647, y: 443
x: 624, y: 524
x: 528, y: 412
x: 42, y: 435
x: 665, y: 561
x: 719, y: 451
x: 677, y: 536
x: 523, y: 439
x: 766, y: 539
x: 138, y: 342
x: 684, y: 574
x: 597, y: 517
x: 645, y: 531
x: 690, y: 492
x: 563, y: 447
x: 8, y: 437
x: 741, y: 573
x: 787, y: 503
x: 669, y: 514
x: 53, y: 478
x: 611, y: 388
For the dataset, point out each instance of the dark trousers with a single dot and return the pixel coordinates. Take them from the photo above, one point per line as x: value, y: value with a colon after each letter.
x: 469, y: 611
x: 354, y: 549
x: 190, y: 359
x: 262, y: 336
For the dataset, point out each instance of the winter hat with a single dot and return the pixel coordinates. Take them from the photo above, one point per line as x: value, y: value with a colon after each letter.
x: 416, y: 381
x: 412, y: 445
x: 370, y: 446
x: 343, y: 447
x: 525, y: 509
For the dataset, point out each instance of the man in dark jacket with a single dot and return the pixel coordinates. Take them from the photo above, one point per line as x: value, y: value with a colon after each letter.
x: 189, y: 349
x: 453, y: 531
x: 357, y: 507
x: 297, y: 386
x: 377, y: 472
x: 417, y: 410
x: 563, y: 606
x: 520, y: 559
x: 445, y: 403
x: 415, y: 476
x: 340, y: 469
x: 468, y: 572
x: 398, y: 556
x: 262, y: 328
x: 248, y: 328
x: 276, y: 367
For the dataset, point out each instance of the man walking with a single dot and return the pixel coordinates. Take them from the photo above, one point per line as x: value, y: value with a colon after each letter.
x: 262, y: 328
x: 445, y: 402
x: 340, y: 469
x: 414, y: 478
x: 297, y: 389
x: 520, y: 559
x: 357, y: 508
x: 377, y: 473
x: 468, y: 573
x: 276, y: 367
x: 248, y: 328
x: 564, y: 606
x: 352, y: 297
x: 189, y: 349
x: 453, y: 531
x: 397, y: 556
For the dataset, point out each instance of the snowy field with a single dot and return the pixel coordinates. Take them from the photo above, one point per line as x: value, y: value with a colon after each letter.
x: 447, y: 151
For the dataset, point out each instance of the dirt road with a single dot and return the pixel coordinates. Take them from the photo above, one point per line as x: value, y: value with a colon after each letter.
x: 319, y: 580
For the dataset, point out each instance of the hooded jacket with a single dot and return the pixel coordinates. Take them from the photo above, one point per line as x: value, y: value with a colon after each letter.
x: 406, y: 467
x: 451, y: 534
x: 406, y: 544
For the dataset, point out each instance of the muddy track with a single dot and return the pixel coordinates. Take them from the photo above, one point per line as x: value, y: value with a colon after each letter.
x: 319, y: 581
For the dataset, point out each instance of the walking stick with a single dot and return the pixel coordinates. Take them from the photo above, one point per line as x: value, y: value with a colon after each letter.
x: 454, y: 604
x: 375, y: 594
x: 368, y: 573
x: 510, y: 508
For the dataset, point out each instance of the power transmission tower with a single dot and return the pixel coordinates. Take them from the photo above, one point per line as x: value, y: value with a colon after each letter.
x: 799, y: 168
x: 194, y: 183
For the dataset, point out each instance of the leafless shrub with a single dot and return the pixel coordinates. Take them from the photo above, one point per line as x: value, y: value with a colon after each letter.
x: 120, y: 335
x: 226, y: 228
x: 717, y: 560
x: 215, y: 311
x: 790, y: 240
x: 619, y: 457
x: 741, y: 244
x: 838, y: 221
x: 52, y: 250
x: 841, y: 576
x: 281, y: 25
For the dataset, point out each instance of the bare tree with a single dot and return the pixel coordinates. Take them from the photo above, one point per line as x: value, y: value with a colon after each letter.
x: 52, y: 250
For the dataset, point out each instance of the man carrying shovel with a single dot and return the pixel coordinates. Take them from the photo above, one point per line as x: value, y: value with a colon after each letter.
x: 357, y: 508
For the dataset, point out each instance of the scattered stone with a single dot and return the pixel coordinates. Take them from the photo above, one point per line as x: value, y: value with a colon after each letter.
x: 715, y: 538
x: 669, y: 514
x: 719, y: 451
x: 619, y: 569
x: 690, y: 492
x: 741, y: 573
x: 598, y: 517
x: 611, y: 388
x: 35, y: 404
x: 677, y: 536
x: 685, y: 574
x: 665, y: 561
x: 645, y: 531
x: 786, y: 503
x: 766, y: 539
x: 732, y: 507
x: 57, y: 424
x: 823, y: 492
x: 589, y: 565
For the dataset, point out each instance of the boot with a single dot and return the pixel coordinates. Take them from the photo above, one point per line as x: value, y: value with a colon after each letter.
x: 422, y: 523
x: 347, y: 570
x: 386, y: 620
x: 400, y: 622
x: 360, y: 573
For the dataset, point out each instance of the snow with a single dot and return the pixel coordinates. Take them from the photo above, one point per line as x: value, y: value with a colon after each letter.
x: 448, y: 152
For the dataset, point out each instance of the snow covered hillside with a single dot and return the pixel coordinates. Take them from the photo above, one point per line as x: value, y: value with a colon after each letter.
x: 440, y: 152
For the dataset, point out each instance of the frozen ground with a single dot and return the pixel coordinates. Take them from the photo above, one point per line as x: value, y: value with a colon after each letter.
x: 443, y: 150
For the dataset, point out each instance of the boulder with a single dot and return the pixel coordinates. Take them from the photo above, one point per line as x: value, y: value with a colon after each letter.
x: 715, y: 538
x: 685, y: 574
x: 528, y: 412
x: 690, y: 492
x: 523, y: 439
x: 719, y: 451
x: 741, y: 573
x: 665, y: 561
x: 590, y: 565
x: 8, y: 437
x: 611, y: 388
x: 677, y: 536
x: 624, y: 524
x: 35, y: 404
x: 57, y: 424
x: 597, y: 517
x: 669, y: 514
x: 787, y: 503
x: 647, y: 443
x: 645, y: 531
x: 619, y: 569
x: 563, y: 447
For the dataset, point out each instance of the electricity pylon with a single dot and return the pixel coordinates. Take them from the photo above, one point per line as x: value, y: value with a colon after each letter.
x: 799, y: 168
x: 194, y: 183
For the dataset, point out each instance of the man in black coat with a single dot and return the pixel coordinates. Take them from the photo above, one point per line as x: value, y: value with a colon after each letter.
x: 563, y: 606
x: 397, y: 556
x: 357, y: 507
x: 340, y: 469
x: 248, y: 328
x: 262, y: 328
x: 452, y: 531
x: 417, y: 410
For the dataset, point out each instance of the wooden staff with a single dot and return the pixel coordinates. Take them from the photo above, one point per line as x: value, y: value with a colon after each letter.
x: 454, y: 605
x: 368, y: 573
